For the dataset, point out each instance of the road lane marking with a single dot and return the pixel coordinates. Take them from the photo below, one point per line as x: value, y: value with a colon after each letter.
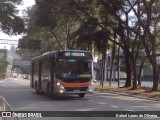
x: 128, y: 110
x: 139, y: 106
x: 85, y: 109
x: 91, y: 100
x: 114, y: 106
x: 102, y: 103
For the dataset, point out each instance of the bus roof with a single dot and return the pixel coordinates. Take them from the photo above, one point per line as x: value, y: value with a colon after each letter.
x: 54, y: 53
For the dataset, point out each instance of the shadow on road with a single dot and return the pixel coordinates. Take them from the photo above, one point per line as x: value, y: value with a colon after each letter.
x: 63, y: 97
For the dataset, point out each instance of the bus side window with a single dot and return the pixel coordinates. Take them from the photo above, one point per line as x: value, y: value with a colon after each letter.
x: 57, y: 68
x: 46, y: 65
x: 53, y: 66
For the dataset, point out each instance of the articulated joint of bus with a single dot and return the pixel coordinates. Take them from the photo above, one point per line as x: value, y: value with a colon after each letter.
x: 75, y: 88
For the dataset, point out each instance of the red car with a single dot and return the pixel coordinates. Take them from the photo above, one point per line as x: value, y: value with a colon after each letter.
x: 26, y: 76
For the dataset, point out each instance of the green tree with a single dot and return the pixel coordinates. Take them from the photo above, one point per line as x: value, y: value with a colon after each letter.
x: 70, y: 24
x: 3, y: 67
x: 148, y: 20
x: 10, y: 23
x: 59, y: 21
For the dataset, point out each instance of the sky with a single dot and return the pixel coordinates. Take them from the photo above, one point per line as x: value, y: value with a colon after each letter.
x: 25, y: 4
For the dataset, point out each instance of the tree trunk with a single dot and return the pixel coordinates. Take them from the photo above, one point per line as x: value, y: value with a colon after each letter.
x: 110, y: 71
x: 127, y: 54
x: 140, y: 73
x: 118, y: 66
x: 154, y: 65
x: 103, y: 67
x: 134, y: 81
x: 128, y: 69
x: 111, y: 67
x: 155, y: 77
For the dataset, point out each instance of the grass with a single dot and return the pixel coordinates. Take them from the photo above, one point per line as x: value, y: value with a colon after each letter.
x: 140, y: 92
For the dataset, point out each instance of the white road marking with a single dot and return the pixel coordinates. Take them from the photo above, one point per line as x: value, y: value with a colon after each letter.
x: 85, y: 109
x: 128, y: 110
x: 91, y: 100
x: 114, y: 106
x: 102, y: 103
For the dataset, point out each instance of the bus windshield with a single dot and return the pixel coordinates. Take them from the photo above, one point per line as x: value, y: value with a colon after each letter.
x: 72, y: 68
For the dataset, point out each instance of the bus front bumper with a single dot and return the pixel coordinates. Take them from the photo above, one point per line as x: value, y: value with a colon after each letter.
x: 62, y: 90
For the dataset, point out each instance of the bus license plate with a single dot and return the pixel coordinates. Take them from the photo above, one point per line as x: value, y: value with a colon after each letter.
x: 76, y: 90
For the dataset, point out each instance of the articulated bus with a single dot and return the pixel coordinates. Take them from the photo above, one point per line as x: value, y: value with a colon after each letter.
x: 63, y: 72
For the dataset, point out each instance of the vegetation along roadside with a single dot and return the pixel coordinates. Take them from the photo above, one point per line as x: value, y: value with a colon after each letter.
x: 142, y: 91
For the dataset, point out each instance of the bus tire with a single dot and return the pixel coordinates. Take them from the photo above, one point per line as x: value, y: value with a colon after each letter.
x: 81, y: 95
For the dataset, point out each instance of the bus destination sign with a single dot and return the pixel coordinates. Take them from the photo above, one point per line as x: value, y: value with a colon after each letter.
x: 75, y: 54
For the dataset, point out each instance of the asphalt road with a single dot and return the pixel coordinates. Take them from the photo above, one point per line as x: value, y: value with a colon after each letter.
x: 21, y: 97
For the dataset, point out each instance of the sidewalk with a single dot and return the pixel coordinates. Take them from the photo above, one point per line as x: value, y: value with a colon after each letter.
x: 142, y: 94
x: 122, y: 83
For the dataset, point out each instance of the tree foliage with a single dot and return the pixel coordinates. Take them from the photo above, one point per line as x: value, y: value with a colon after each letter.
x: 132, y: 25
x: 10, y: 22
x: 3, y: 63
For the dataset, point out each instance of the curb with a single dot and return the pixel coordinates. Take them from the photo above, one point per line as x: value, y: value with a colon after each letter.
x: 126, y: 94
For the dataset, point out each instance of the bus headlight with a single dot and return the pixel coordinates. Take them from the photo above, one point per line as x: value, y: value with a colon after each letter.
x: 90, y: 90
x: 92, y: 83
x: 61, y: 91
x: 58, y: 84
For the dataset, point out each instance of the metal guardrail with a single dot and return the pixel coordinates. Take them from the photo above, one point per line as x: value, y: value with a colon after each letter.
x: 4, y: 106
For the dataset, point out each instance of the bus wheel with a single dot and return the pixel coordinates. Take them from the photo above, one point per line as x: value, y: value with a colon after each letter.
x: 81, y: 95
x: 49, y: 91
